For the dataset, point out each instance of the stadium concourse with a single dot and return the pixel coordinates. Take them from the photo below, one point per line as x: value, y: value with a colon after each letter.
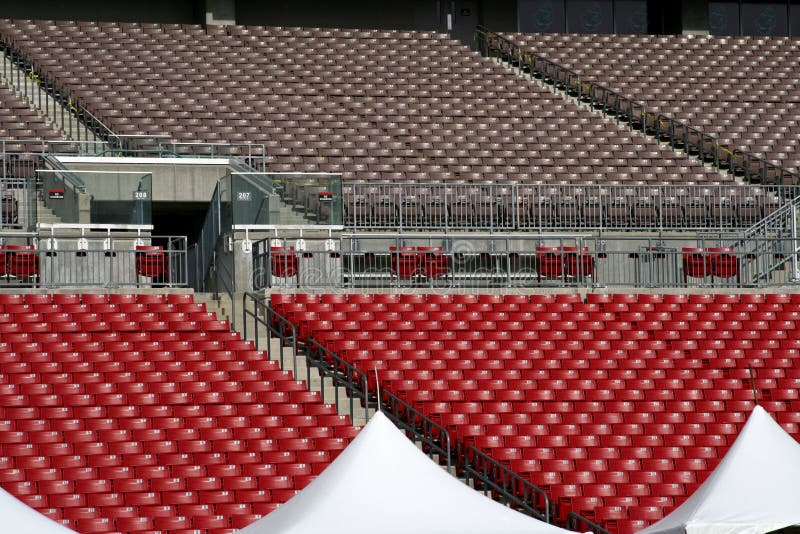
x: 570, y: 297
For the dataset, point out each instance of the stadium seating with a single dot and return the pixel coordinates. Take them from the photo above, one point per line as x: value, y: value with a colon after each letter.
x: 142, y: 413
x: 618, y: 406
x: 19, y: 122
x: 374, y: 105
x: 739, y: 89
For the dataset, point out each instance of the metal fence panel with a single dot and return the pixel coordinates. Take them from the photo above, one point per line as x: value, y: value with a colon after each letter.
x: 494, y: 207
x: 92, y: 261
x: 516, y: 261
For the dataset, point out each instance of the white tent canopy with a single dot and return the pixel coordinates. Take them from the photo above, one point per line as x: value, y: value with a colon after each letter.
x: 753, y: 490
x: 382, y: 484
x: 19, y: 518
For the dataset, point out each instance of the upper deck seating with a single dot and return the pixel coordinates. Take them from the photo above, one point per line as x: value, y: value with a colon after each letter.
x: 374, y: 105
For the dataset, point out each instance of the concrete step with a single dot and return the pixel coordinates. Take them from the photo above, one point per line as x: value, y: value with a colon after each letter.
x: 289, y: 216
x: 330, y: 394
x: 45, y: 215
x: 221, y: 305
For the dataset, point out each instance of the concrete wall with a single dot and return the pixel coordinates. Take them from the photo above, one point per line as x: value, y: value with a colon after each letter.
x: 174, y: 180
x: 500, y: 15
x: 413, y: 14
x: 694, y: 15
x: 175, y: 11
x: 220, y: 12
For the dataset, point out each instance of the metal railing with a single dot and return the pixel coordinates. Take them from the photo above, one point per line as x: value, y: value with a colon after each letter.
x: 252, y: 156
x: 578, y: 523
x: 70, y: 117
x: 225, y: 280
x: 341, y: 373
x: 439, y: 261
x: 487, y: 474
x: 18, y: 208
x: 107, y: 260
x: 505, y: 207
x: 680, y: 135
x: 207, y: 240
x: 434, y: 438
x: 480, y: 470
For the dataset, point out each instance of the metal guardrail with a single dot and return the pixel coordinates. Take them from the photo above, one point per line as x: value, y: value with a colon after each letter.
x: 439, y: 261
x: 578, y: 523
x: 434, y: 438
x: 69, y: 116
x: 487, y: 474
x: 680, y: 136
x: 107, y: 261
x: 480, y: 470
x: 506, y: 207
x: 18, y: 208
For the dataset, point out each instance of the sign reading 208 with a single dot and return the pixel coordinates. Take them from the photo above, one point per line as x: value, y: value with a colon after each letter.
x: 141, y: 195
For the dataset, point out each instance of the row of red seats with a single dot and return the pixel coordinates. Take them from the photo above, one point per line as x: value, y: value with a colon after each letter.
x: 513, y: 312
x: 115, y: 326
x: 497, y: 371
x: 96, y: 298
x: 279, y: 299
x: 82, y: 315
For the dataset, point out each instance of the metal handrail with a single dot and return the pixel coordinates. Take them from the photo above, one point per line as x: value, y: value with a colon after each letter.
x: 502, y: 206
x: 432, y: 435
x: 578, y: 523
x: 66, y: 173
x: 74, y: 108
x: 408, y: 418
x: 522, y: 260
x: 341, y: 372
x: 513, y: 489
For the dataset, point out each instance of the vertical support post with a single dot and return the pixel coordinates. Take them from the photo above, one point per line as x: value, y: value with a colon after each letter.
x: 795, y: 274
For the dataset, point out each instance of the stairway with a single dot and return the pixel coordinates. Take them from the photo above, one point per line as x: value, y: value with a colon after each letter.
x: 45, y: 215
x: 222, y: 307
x: 290, y: 217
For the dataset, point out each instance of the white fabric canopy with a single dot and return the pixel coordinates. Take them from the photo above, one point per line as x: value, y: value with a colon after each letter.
x: 18, y: 518
x: 383, y: 484
x: 753, y: 490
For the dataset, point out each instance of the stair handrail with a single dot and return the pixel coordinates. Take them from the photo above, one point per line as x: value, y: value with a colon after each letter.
x: 22, y: 62
x: 513, y: 488
x: 401, y: 413
x: 66, y: 173
x: 578, y: 523
x: 766, y: 223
